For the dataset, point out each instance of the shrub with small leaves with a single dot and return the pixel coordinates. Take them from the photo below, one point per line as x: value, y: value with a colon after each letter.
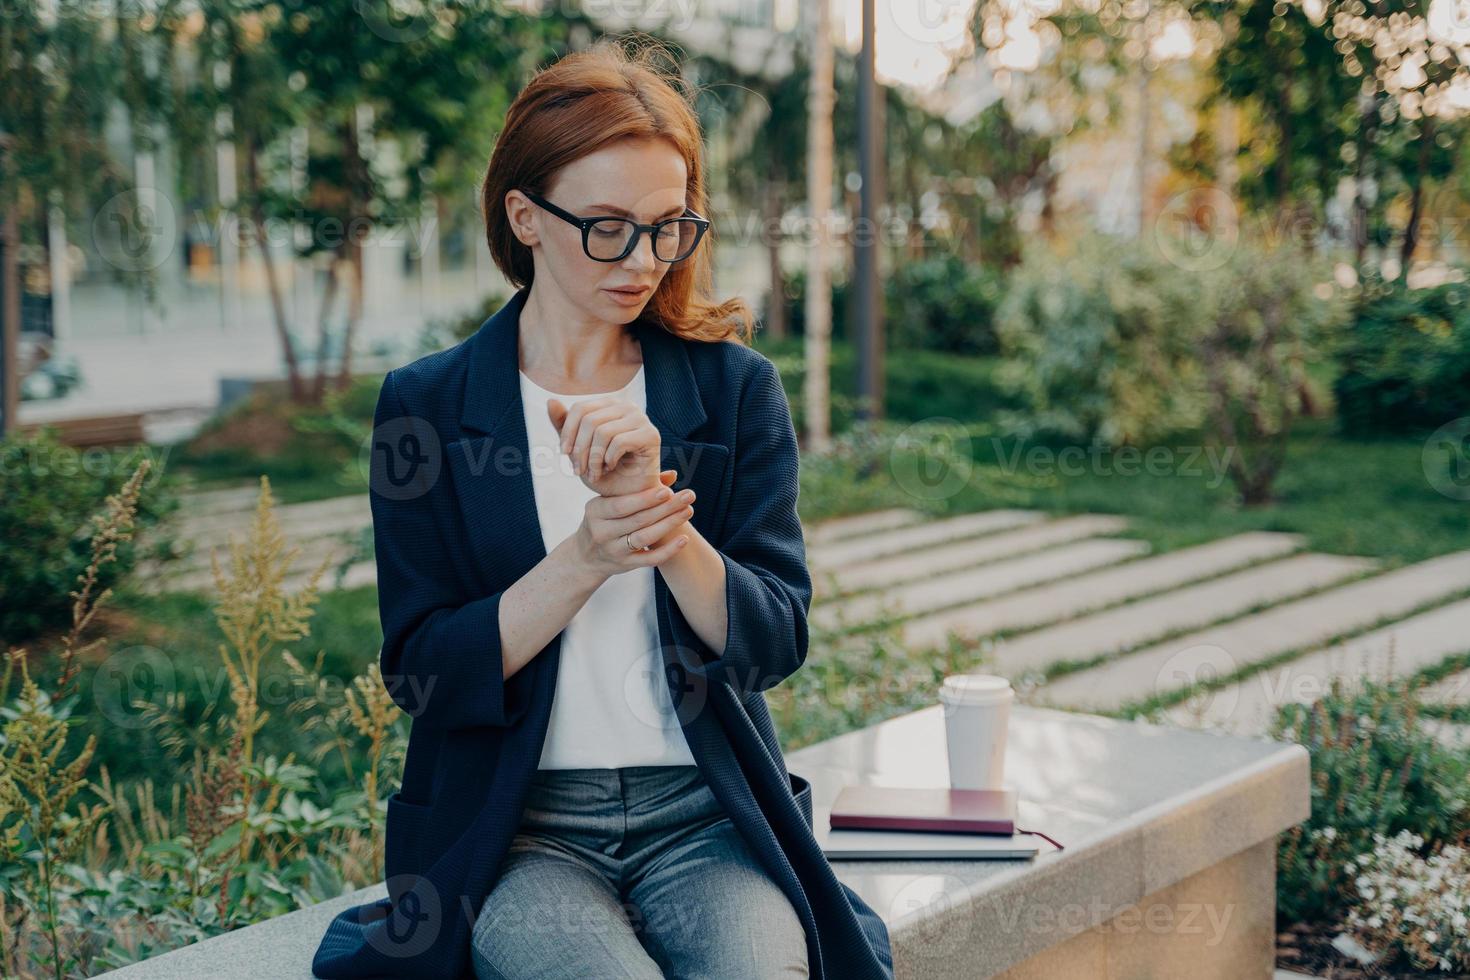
x: 1410, y: 905
x: 86, y: 887
x: 50, y: 490
x: 1376, y: 770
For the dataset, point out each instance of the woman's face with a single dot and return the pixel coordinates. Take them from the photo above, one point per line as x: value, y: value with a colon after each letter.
x: 641, y: 179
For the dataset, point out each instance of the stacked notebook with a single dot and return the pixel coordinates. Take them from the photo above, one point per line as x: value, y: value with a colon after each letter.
x: 893, y: 822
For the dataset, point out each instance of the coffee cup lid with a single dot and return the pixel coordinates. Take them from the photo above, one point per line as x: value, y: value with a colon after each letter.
x: 976, y: 687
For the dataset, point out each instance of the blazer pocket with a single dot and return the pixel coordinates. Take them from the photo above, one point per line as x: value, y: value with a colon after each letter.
x: 802, y: 790
x: 403, y: 837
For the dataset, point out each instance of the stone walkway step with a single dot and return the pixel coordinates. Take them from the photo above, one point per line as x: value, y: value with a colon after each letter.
x: 1449, y: 733
x: 1221, y: 650
x: 841, y: 554
x: 1397, y: 650
x: 312, y: 517
x: 357, y: 574
x: 1057, y: 601
x: 977, y: 583
x: 853, y: 525
x: 1129, y: 626
x: 1454, y: 689
x: 220, y: 499
x: 197, y: 573
x: 937, y: 560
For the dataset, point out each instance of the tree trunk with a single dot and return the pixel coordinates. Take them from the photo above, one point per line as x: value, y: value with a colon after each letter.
x: 354, y: 311
x: 273, y: 283
x: 1360, y: 183
x: 323, y: 325
x: 1416, y: 200
x: 358, y: 188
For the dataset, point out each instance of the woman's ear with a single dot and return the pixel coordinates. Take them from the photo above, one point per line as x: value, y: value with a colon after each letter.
x: 518, y: 212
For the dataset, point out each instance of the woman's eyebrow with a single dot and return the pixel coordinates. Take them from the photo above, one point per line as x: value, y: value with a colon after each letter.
x: 629, y: 214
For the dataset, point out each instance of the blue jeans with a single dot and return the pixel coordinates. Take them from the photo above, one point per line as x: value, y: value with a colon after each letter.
x: 635, y: 873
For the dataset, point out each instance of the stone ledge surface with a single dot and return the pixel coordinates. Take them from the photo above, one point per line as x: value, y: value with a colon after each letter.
x: 1139, y: 807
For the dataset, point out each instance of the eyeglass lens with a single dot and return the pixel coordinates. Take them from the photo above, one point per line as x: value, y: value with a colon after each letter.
x: 609, y: 238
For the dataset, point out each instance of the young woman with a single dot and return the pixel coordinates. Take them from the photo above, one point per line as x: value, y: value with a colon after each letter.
x: 590, y: 568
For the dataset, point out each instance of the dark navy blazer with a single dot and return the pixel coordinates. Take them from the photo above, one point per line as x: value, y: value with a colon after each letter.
x: 455, y: 524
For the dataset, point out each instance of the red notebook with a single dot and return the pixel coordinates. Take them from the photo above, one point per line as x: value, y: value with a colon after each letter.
x: 967, y: 811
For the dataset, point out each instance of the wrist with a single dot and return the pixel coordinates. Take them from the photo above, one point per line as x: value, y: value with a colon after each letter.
x: 580, y: 562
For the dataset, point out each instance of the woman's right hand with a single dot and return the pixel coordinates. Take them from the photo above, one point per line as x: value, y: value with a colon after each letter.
x: 649, y: 517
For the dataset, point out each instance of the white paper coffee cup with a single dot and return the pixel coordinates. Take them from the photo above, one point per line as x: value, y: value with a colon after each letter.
x: 977, y: 710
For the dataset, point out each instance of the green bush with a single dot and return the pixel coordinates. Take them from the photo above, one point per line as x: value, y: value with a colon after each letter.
x: 1375, y: 770
x: 1098, y: 344
x: 50, y: 491
x: 1117, y: 343
x: 939, y: 303
x: 918, y: 385
x: 1405, y: 362
x: 943, y: 304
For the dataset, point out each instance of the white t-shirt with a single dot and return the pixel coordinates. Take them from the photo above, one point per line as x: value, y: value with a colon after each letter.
x: 612, y: 706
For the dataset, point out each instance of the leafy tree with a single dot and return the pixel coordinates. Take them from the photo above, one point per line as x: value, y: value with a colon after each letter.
x: 398, y: 111
x: 1346, y: 88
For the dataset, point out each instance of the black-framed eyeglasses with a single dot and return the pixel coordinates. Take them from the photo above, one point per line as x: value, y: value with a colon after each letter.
x: 611, y: 239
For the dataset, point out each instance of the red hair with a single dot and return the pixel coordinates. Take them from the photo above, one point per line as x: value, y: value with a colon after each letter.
x: 574, y: 107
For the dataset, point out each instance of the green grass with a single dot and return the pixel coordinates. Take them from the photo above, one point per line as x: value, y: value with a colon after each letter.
x: 168, y: 644
x: 1347, y: 496
x: 290, y: 484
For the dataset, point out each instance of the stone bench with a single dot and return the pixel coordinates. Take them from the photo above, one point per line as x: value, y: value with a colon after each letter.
x: 1169, y: 866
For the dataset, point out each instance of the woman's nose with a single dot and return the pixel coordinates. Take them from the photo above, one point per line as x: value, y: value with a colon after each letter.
x: 641, y: 257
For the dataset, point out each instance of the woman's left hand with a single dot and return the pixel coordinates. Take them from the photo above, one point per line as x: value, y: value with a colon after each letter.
x: 614, y: 447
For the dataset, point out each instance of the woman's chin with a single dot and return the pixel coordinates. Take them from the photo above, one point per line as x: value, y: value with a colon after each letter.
x: 620, y: 312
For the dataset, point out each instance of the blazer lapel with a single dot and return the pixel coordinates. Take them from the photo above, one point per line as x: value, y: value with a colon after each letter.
x: 490, y: 462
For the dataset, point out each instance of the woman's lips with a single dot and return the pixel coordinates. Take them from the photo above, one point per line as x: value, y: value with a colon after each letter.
x: 628, y: 297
